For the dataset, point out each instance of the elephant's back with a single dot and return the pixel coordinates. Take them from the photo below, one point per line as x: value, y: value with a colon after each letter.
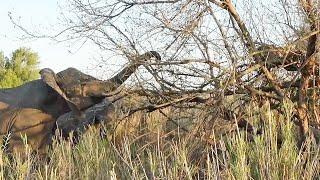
x: 27, y: 95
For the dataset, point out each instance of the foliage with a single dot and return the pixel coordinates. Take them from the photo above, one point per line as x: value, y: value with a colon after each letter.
x: 19, y: 68
x: 153, y: 156
x: 259, y: 49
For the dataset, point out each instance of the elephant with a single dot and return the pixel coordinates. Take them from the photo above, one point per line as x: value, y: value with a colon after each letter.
x: 70, y: 123
x: 19, y: 124
x: 69, y: 91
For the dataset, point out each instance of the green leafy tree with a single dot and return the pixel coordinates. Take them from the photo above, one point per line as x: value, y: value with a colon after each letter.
x: 21, y: 67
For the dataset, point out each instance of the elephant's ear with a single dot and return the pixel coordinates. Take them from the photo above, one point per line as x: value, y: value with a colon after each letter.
x: 49, y: 77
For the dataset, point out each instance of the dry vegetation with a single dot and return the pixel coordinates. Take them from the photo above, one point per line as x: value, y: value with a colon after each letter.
x: 150, y: 146
x: 236, y: 95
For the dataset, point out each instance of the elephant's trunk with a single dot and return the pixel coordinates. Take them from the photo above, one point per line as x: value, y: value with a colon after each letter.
x: 103, y: 88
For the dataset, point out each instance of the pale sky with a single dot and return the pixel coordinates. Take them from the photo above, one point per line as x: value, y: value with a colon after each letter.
x: 40, y: 15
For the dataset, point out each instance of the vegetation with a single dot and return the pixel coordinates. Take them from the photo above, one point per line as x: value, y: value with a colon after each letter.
x: 154, y: 155
x: 263, y: 50
x: 21, y: 67
x: 224, y: 63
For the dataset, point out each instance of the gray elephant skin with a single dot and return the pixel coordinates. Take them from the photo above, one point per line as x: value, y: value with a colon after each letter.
x: 32, y: 109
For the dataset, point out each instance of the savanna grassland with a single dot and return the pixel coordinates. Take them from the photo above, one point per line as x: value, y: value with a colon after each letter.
x: 151, y: 146
x: 233, y: 92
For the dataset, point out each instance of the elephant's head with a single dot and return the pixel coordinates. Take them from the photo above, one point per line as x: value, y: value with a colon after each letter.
x: 81, y: 91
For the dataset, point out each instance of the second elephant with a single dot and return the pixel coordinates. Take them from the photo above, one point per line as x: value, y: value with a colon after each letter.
x: 95, y: 115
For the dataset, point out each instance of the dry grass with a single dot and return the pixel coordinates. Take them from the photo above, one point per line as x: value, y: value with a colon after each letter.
x: 149, y: 152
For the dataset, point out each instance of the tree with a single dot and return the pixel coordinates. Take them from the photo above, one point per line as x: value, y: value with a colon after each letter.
x: 216, y: 48
x: 21, y: 67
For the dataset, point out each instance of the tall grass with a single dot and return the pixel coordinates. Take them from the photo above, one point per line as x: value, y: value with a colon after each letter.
x: 152, y: 155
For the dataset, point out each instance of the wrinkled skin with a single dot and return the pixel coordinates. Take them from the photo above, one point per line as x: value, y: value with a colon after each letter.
x: 71, y: 123
x: 33, y: 108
